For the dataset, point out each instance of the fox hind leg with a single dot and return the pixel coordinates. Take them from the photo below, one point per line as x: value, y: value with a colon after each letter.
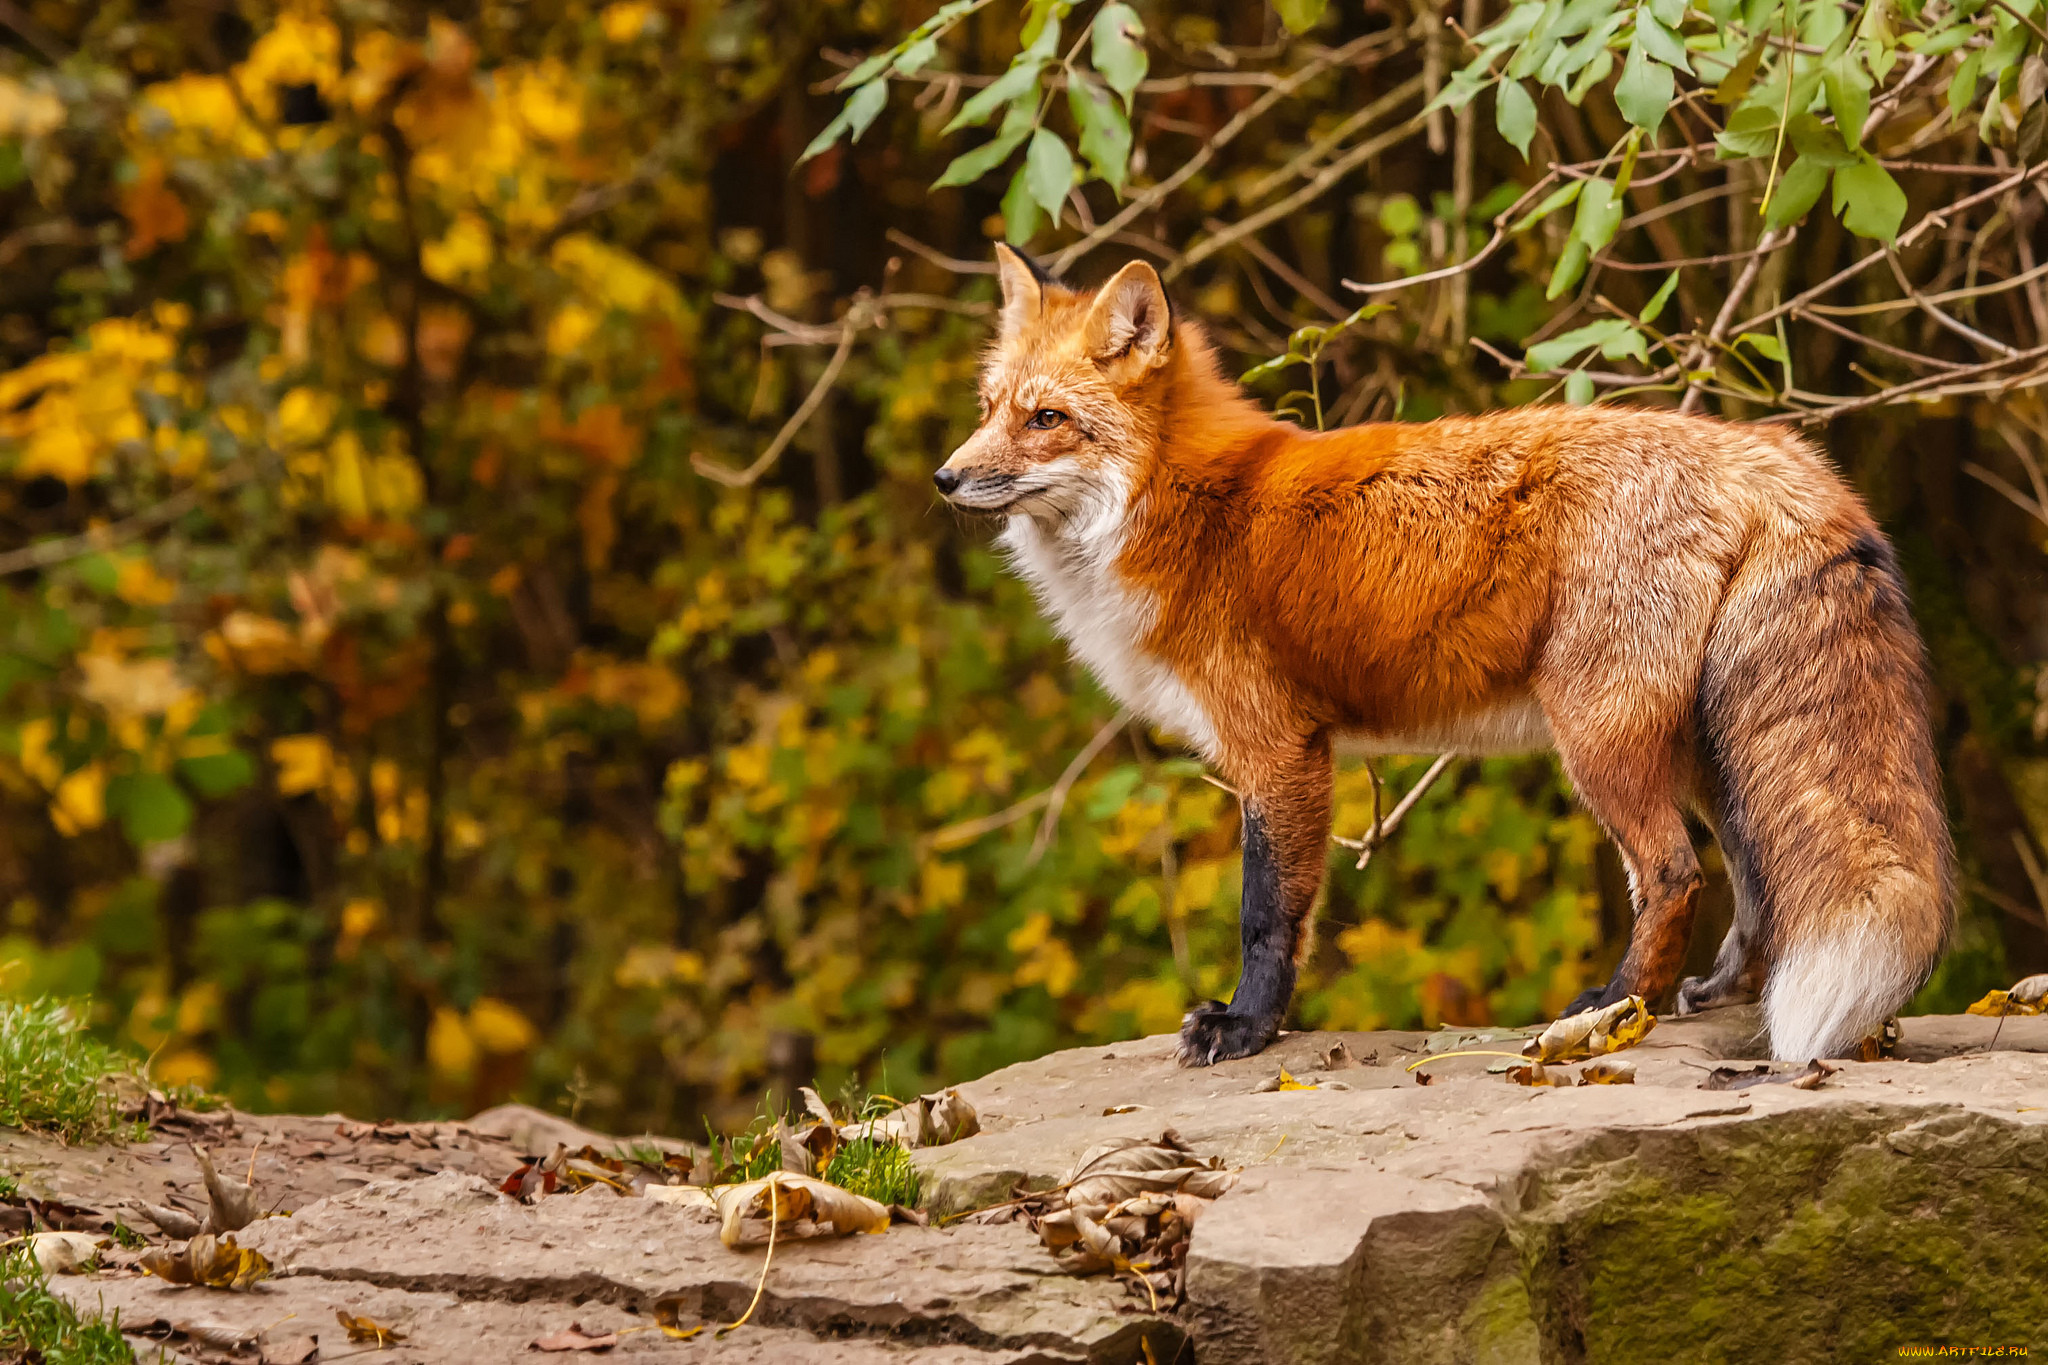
x: 1737, y: 977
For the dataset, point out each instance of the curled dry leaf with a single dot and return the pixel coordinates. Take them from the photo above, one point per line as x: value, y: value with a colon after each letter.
x: 1336, y: 1057
x: 208, y: 1261
x: 574, y: 1338
x: 1883, y: 1044
x: 2029, y: 995
x: 64, y: 1253
x: 927, y: 1121
x: 367, y: 1330
x: 1127, y: 1207
x: 231, y: 1205
x: 1743, y: 1077
x: 1595, y: 1033
x: 744, y: 1209
x: 1608, y: 1071
x: 1123, y: 1109
x: 169, y: 1221
x: 1537, y: 1074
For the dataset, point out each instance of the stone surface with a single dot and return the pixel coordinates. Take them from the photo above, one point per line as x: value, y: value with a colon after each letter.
x: 1475, y: 1220
x: 1467, y: 1220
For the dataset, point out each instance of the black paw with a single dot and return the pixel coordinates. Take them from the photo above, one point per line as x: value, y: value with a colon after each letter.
x: 1592, y: 998
x: 1211, y: 1033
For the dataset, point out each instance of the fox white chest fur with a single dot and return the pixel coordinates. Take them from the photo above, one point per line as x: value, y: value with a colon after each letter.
x: 1071, y: 566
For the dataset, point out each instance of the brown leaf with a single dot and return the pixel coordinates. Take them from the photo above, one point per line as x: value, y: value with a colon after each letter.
x: 796, y: 1158
x: 169, y: 1221
x: 574, y: 1338
x: 744, y: 1209
x: 231, y: 1205
x: 1593, y: 1033
x: 208, y: 1261
x: 1607, y: 1071
x: 1743, y: 1077
x: 290, y: 1351
x: 367, y: 1330
x: 1537, y: 1074
x: 1335, y: 1057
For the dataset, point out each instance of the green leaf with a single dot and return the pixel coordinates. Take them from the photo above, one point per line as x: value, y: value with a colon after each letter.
x: 1549, y: 355
x: 916, y: 57
x: 1300, y: 15
x: 1049, y: 171
x: 98, y: 572
x: 1812, y: 138
x: 1869, y: 200
x: 1268, y: 367
x: 1751, y: 131
x: 1571, y: 263
x: 1118, y: 49
x: 1661, y: 43
x: 216, y: 775
x: 1627, y: 344
x: 149, y: 806
x: 1105, y: 132
x: 1514, y: 113
x: 1644, y: 92
x: 1848, y: 90
x: 1041, y: 14
x: 1797, y: 191
x: 971, y: 166
x: 1116, y: 787
x: 859, y: 111
x: 1021, y: 215
x: 1764, y: 344
x: 1599, y: 215
x: 1400, y: 215
x: 1020, y: 81
x: 1578, y: 389
x: 1552, y: 202
x: 1670, y: 13
x: 1655, y: 307
x: 1596, y: 71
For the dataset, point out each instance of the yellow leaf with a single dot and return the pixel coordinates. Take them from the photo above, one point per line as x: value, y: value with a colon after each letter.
x: 28, y: 112
x: 464, y: 251
x: 80, y: 801
x: 570, y: 327
x: 626, y: 20
x: 304, y: 415
x: 1594, y: 1033
x: 304, y: 763
x: 139, y: 584
x: 744, y: 1209
x: 451, y: 1052
x: 500, y: 1029
x: 1287, y: 1082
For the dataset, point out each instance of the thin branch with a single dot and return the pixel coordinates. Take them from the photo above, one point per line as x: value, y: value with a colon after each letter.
x: 1382, y: 831
x: 46, y: 553
x: 1053, y: 797
x: 1703, y: 348
x: 1056, y: 795
x: 740, y: 478
x: 1299, y: 282
x: 1151, y: 196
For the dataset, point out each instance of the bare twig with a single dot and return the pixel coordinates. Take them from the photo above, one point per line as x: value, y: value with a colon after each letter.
x: 741, y: 478
x: 1052, y: 800
x: 1384, y: 830
x: 46, y: 553
x: 1702, y: 349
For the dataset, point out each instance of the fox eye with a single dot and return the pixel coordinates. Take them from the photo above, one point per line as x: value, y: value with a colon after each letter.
x: 1045, y: 419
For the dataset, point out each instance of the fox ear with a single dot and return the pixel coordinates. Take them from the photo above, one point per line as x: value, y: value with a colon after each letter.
x: 1023, y: 294
x: 1131, y: 317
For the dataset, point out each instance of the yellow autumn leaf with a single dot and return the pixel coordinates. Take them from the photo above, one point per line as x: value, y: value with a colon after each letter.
x: 28, y: 112
x: 626, y: 20
x: 304, y: 763
x: 80, y: 801
x: 139, y: 584
x: 1594, y: 1033
x: 569, y: 328
x: 2026, y: 996
x: 304, y: 415
x: 451, y: 1051
x: 499, y: 1029
x: 463, y: 252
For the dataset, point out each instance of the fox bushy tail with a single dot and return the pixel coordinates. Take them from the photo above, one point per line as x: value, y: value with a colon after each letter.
x: 1813, y: 711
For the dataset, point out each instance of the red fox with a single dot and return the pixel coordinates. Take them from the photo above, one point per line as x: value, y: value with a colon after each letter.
x: 1696, y: 615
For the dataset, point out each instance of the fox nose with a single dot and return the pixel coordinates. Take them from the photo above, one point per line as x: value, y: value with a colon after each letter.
x: 947, y: 480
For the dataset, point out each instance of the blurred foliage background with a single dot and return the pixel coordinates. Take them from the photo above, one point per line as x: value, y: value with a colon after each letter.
x: 407, y: 703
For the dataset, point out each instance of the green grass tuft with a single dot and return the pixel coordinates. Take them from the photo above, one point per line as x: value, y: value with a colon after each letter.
x: 883, y: 1171
x: 53, y: 1075
x: 36, y: 1325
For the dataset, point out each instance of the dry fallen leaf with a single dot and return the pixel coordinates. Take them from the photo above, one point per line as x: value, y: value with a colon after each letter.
x: 2029, y: 995
x: 207, y: 1261
x: 169, y: 1221
x: 63, y: 1253
x: 290, y: 1351
x: 231, y: 1205
x: 1537, y: 1074
x: 1336, y: 1057
x: 1608, y: 1071
x: 367, y: 1330
x: 574, y: 1338
x: 927, y: 1121
x: 1593, y: 1033
x: 744, y: 1209
x: 1743, y: 1077
x: 1127, y: 1207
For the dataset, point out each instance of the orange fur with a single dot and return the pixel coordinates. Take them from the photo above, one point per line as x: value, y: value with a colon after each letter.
x: 1696, y: 615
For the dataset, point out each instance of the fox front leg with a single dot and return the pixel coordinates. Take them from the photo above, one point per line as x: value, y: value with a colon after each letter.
x: 1286, y: 834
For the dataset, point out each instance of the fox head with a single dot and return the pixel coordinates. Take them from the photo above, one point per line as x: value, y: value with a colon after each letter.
x: 1070, y: 393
